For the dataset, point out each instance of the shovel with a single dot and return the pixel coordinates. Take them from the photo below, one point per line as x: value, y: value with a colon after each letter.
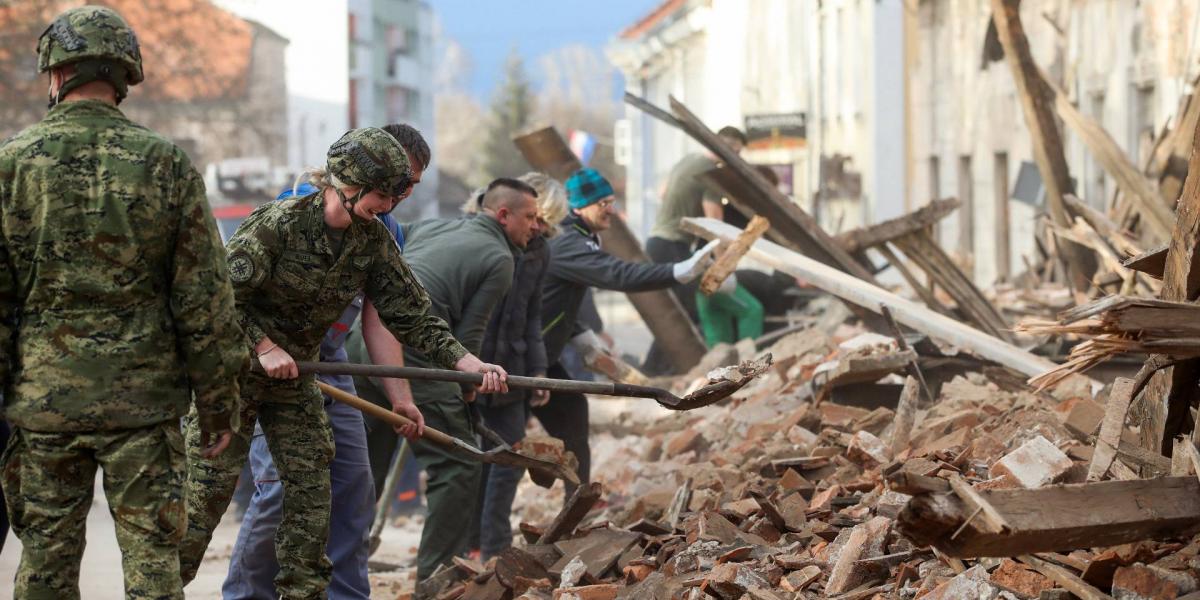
x: 453, y: 445
x: 722, y: 382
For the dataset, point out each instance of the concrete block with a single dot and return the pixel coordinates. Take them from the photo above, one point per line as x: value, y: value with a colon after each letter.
x: 1034, y: 464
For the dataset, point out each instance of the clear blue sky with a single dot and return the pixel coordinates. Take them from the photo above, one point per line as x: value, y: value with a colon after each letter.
x: 488, y: 29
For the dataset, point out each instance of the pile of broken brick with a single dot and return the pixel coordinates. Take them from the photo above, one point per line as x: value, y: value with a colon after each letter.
x: 838, y: 474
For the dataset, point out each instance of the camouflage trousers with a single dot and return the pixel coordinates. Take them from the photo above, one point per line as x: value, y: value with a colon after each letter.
x: 48, y: 481
x: 297, y: 429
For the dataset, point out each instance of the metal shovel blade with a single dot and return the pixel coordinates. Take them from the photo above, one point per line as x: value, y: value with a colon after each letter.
x: 512, y: 458
x: 723, y: 383
x: 457, y: 447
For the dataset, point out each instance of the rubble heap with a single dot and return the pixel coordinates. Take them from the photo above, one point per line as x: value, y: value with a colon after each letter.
x: 797, y: 489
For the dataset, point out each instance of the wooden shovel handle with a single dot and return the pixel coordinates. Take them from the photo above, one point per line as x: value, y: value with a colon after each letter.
x: 382, y: 413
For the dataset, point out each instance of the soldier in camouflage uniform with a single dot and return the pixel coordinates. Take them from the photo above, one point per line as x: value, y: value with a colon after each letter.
x: 295, y: 266
x: 115, y: 312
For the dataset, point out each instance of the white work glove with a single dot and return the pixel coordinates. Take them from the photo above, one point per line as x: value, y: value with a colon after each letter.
x: 728, y: 286
x: 586, y: 343
x: 694, y: 266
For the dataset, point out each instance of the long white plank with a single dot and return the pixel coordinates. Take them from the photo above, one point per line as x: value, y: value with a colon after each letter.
x: 866, y: 295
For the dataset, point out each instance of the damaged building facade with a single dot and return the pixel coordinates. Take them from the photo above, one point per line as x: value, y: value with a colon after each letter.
x: 905, y: 101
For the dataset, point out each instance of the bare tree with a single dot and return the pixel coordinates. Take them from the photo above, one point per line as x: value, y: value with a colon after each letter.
x: 579, y: 93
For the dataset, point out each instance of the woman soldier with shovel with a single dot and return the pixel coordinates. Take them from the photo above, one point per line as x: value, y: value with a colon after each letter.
x: 295, y: 266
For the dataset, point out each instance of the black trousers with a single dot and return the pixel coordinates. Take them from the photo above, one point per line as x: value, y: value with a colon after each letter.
x: 565, y: 417
x: 666, y: 251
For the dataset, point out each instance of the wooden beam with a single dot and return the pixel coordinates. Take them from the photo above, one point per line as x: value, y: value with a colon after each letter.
x: 1155, y: 214
x: 662, y: 312
x: 1169, y: 162
x: 929, y: 255
x: 925, y: 294
x: 796, y: 228
x: 870, y: 296
x: 881, y: 233
x: 727, y: 260
x: 785, y: 215
x: 1162, y: 413
x: 1036, y: 102
x: 1057, y: 518
x: 808, y: 232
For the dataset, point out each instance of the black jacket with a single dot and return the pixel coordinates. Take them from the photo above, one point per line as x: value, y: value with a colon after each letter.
x: 577, y: 263
x: 514, y: 333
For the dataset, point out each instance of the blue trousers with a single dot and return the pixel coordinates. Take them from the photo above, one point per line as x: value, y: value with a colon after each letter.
x: 500, y: 482
x: 253, y: 566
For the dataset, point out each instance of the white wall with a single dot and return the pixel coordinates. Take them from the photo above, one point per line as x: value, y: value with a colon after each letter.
x: 1123, y: 62
x: 316, y: 73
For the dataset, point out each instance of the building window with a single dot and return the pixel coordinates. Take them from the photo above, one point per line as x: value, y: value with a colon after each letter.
x: 352, y: 21
x: 1095, y: 186
x: 1000, y: 185
x: 966, y: 211
x: 1141, y: 121
x: 935, y: 189
x: 401, y: 103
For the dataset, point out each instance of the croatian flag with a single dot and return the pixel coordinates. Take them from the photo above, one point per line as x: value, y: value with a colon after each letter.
x: 583, y: 144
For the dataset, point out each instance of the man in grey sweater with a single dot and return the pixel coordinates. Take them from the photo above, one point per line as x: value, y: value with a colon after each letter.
x: 466, y: 266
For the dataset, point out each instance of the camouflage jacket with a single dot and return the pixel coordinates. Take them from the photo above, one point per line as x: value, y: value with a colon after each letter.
x: 291, y: 287
x: 115, y: 302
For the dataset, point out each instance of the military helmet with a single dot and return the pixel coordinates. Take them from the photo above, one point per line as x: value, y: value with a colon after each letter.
x: 98, y: 41
x: 371, y: 159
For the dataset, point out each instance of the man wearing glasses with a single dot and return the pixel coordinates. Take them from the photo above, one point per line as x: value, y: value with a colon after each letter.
x: 576, y: 263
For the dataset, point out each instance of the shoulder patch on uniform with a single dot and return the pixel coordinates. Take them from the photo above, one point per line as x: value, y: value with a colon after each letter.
x: 241, y: 267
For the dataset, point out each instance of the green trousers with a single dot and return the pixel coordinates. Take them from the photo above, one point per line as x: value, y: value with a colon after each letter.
x: 729, y: 317
x: 452, y: 483
x: 48, y: 482
x: 293, y: 417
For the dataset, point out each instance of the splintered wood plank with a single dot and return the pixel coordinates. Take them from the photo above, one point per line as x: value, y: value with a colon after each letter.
x: 1152, y: 262
x: 573, y: 513
x: 906, y: 413
x: 1109, y: 439
x: 995, y: 522
x: 871, y: 297
x: 1063, y: 517
x: 919, y: 220
x: 727, y: 262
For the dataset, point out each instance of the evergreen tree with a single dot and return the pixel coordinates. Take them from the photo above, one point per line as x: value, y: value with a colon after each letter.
x: 510, y: 113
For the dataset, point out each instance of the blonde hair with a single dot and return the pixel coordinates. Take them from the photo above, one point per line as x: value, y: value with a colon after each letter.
x: 474, y: 201
x: 319, y: 178
x: 551, y: 199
